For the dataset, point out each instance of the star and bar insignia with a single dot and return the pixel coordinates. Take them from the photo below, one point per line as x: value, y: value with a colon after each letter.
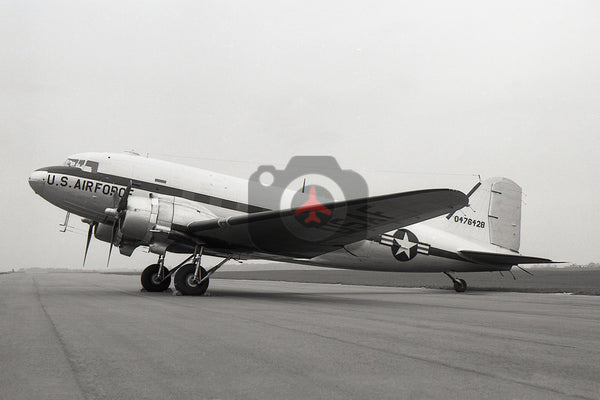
x: 404, y: 244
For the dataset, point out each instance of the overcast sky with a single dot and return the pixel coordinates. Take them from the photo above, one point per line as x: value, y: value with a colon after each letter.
x: 434, y: 90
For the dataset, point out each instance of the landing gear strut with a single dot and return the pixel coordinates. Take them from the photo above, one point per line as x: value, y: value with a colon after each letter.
x: 460, y: 285
x: 187, y: 283
x: 156, y: 277
x: 192, y: 279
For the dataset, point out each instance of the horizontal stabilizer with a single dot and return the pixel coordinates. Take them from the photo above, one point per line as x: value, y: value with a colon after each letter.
x: 499, y: 258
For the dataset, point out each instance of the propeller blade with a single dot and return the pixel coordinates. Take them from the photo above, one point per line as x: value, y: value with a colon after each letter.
x: 87, y: 243
x: 123, y: 202
x: 109, y: 251
x: 120, y: 214
x: 112, y: 240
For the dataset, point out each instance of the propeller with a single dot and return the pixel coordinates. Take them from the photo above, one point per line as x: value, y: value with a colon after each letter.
x: 118, y: 213
x: 91, y: 230
x: 112, y: 237
x: 123, y: 202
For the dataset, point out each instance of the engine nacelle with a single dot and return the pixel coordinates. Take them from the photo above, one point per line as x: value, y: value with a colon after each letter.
x: 103, y: 232
x: 148, y: 221
x: 138, y: 219
x: 143, y: 214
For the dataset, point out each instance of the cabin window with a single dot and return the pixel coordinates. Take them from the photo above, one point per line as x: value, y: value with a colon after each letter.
x: 84, y: 165
x: 71, y: 162
x: 90, y: 166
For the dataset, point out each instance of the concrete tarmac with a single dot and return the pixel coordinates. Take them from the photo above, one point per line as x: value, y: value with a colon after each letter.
x: 94, y: 336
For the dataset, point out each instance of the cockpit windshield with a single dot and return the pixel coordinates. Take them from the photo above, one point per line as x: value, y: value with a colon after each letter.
x: 84, y: 165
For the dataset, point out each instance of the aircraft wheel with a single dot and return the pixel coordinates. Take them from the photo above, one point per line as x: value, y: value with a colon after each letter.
x: 460, y: 285
x: 152, y: 282
x: 185, y: 283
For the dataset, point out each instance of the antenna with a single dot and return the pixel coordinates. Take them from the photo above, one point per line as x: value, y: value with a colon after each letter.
x: 65, y: 224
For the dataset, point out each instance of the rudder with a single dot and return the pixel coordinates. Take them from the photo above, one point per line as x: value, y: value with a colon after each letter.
x: 505, y: 214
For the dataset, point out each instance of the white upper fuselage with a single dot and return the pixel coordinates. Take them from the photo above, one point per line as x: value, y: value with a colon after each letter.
x: 89, y: 193
x: 93, y: 182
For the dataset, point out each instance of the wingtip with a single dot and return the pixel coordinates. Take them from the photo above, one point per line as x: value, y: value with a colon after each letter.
x: 460, y: 199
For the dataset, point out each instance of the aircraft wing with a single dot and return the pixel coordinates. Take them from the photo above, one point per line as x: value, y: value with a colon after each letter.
x: 279, y: 232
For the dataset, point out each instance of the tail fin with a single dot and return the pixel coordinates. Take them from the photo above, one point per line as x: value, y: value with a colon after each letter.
x: 493, y: 215
x: 505, y: 214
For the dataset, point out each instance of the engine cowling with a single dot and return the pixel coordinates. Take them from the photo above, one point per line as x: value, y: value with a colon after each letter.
x: 148, y: 221
x: 103, y: 232
x: 138, y: 219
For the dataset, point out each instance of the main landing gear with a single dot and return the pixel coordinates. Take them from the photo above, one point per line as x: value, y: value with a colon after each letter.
x: 190, y: 279
x: 460, y: 285
x: 156, y: 277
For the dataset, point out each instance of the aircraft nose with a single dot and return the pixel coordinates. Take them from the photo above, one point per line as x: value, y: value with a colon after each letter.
x: 37, y: 180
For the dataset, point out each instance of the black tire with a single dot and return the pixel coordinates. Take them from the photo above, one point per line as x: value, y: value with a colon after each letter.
x: 184, y: 281
x: 460, y: 285
x: 152, y: 282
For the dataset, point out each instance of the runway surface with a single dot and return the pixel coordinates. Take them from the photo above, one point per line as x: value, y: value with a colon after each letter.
x: 93, y: 336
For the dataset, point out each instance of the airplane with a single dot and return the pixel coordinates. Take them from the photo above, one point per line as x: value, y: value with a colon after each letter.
x: 131, y: 201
